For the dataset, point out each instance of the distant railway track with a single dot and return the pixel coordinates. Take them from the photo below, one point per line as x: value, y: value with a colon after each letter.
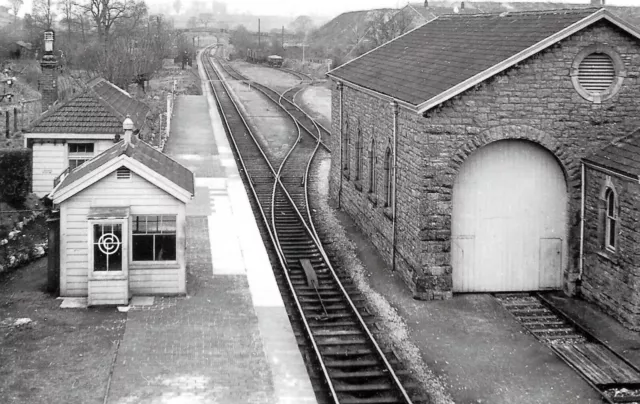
x: 352, y: 366
x: 286, y: 101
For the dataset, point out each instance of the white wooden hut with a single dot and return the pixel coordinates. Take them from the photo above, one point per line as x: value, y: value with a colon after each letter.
x: 122, y: 224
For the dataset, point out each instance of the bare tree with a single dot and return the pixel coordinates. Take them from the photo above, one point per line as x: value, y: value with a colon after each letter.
x: 43, y: 13
x: 67, y: 8
x: 385, y: 26
x: 104, y: 14
x: 16, y: 5
x: 302, y: 25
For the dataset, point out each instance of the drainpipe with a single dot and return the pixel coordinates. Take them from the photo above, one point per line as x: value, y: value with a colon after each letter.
x: 582, y: 197
x: 339, y: 87
x: 394, y: 109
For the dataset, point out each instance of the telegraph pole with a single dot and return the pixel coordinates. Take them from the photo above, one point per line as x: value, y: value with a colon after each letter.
x: 259, y: 33
x: 283, y: 38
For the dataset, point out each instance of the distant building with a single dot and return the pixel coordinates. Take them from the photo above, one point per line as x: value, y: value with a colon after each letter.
x: 75, y: 131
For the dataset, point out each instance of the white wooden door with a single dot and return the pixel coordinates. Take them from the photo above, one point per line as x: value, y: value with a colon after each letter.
x: 509, y: 220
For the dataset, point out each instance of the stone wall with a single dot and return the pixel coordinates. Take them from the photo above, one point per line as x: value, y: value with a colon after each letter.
x: 534, y: 101
x: 611, y: 279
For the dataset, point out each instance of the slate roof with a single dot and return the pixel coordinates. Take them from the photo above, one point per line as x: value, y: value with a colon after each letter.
x: 99, y: 109
x: 621, y: 156
x: 142, y: 152
x: 445, y: 52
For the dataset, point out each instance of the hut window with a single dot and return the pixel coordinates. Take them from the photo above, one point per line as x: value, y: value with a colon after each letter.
x: 123, y: 173
x: 154, y: 238
x: 388, y: 179
x: 611, y: 219
x: 79, y: 153
x: 359, y: 155
x: 372, y: 167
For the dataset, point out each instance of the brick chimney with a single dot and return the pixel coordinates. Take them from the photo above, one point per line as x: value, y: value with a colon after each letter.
x: 48, y: 79
x: 462, y: 5
x: 597, y: 3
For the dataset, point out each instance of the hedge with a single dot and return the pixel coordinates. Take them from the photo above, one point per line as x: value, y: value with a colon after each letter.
x: 15, y: 175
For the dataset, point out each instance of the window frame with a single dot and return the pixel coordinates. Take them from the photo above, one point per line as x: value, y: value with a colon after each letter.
x: 154, y: 262
x: 358, y: 155
x: 611, y: 219
x: 388, y: 178
x: 81, y: 157
x: 372, y: 167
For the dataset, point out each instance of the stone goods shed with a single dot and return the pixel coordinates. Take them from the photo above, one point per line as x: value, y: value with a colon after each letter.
x: 122, y: 224
x: 457, y: 146
x: 611, y: 264
x: 79, y: 129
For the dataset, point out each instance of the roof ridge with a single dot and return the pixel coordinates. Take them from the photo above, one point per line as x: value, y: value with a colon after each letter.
x: 527, y: 12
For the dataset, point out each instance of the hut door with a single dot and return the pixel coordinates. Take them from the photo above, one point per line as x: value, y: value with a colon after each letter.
x: 107, y: 247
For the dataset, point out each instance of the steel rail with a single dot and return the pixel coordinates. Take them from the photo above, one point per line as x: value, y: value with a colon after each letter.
x: 364, y: 327
x: 280, y: 257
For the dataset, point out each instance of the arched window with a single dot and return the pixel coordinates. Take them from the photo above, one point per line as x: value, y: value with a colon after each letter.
x: 388, y: 178
x: 358, y: 154
x: 611, y: 219
x: 345, y: 146
x: 372, y: 167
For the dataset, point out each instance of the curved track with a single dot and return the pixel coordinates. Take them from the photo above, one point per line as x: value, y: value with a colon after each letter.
x: 285, y: 100
x: 353, y: 366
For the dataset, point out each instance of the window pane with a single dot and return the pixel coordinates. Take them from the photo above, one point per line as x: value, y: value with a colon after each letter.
x: 612, y: 233
x: 166, y: 248
x: 610, y: 204
x: 152, y: 224
x: 139, y: 224
x: 142, y: 249
x: 168, y: 224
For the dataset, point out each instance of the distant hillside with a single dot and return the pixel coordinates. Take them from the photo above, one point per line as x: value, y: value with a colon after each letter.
x: 346, y: 30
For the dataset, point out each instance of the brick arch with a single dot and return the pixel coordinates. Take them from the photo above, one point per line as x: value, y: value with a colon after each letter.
x: 569, y: 166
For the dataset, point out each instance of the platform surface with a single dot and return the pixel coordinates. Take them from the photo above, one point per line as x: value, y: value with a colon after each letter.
x: 229, y: 340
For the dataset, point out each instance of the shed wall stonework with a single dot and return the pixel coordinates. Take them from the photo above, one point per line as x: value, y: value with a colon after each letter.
x: 534, y: 101
x: 611, y: 279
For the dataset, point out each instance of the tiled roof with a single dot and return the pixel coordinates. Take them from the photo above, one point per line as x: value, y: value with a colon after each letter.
x: 447, y: 51
x: 99, y: 109
x: 622, y: 156
x: 141, y: 152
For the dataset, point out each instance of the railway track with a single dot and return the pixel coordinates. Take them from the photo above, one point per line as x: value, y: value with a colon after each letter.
x: 286, y: 101
x: 616, y: 379
x: 352, y: 366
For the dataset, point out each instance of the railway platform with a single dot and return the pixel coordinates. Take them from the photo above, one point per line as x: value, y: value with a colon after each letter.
x: 229, y: 340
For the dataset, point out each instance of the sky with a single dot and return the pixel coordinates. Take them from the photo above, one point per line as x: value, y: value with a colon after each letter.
x: 329, y: 8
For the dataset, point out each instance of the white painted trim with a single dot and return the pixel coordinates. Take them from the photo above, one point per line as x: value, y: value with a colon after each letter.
x: 610, y: 172
x: 62, y: 234
x: 133, y: 165
x: 106, y: 275
x: 73, y: 136
x: 519, y: 57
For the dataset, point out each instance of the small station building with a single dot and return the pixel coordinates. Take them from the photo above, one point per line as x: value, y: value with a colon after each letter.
x: 122, y: 223
x: 457, y: 149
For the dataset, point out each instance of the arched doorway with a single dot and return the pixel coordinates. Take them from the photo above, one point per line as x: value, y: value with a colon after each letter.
x: 509, y: 220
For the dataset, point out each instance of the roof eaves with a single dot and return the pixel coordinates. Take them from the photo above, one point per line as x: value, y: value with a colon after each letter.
x: 377, y: 94
x: 619, y: 173
x: 517, y: 58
